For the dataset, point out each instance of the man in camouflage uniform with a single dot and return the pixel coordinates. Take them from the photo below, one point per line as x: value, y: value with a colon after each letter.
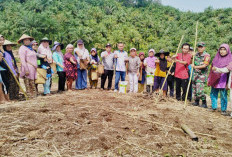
x: 200, y: 66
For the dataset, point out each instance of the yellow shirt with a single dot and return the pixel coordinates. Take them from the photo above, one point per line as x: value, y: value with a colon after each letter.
x: 160, y: 73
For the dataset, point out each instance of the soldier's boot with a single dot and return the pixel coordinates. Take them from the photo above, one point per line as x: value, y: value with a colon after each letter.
x: 204, y: 104
x: 196, y: 103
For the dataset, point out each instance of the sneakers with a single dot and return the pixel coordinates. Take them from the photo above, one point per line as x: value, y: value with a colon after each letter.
x: 115, y: 90
x: 224, y: 113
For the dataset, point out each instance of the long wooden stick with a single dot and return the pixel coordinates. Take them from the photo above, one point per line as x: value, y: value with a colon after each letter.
x: 169, y: 69
x: 24, y: 93
x: 191, y: 74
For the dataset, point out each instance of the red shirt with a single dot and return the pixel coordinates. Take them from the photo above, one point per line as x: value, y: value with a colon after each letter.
x: 181, y: 70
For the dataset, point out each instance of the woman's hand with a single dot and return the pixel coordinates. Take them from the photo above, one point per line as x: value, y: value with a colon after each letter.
x: 214, y: 68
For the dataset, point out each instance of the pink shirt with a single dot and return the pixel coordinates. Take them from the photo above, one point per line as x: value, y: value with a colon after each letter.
x: 181, y: 70
x: 27, y: 57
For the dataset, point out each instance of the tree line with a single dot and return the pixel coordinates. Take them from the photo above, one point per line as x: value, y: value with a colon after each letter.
x: 142, y: 24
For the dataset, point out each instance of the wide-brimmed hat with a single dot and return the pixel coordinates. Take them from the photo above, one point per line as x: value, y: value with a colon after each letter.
x: 162, y: 52
x: 1, y: 36
x: 57, y: 44
x: 46, y: 39
x: 7, y: 42
x: 24, y: 36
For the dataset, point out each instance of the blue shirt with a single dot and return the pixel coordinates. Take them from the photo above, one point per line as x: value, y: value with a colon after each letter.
x: 58, y: 59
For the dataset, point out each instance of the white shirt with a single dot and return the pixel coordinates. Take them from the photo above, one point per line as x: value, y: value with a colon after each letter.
x: 120, y: 61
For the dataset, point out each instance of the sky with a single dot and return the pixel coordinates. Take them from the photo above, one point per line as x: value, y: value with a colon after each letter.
x: 197, y: 5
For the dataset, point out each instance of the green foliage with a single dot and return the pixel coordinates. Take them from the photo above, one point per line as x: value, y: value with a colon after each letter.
x: 142, y: 24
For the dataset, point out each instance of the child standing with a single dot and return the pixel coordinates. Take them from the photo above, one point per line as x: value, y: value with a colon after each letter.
x: 218, y: 81
x: 142, y: 72
x: 94, y: 61
x: 45, y: 65
x: 149, y: 63
x: 133, y: 71
x: 160, y: 72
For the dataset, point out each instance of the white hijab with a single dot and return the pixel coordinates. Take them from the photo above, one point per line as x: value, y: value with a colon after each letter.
x: 45, y: 51
x: 83, y: 51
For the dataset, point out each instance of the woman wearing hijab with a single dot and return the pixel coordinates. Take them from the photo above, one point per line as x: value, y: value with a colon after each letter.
x: 11, y: 62
x: 45, y: 50
x: 28, y: 61
x: 4, y: 73
x: 161, y: 72
x: 218, y: 81
x: 70, y: 66
x: 94, y: 61
x: 58, y: 57
x: 150, y: 65
x: 82, y: 57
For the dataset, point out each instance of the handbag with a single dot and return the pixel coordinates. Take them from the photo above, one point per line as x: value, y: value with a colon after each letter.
x: 100, y: 69
x: 94, y: 75
x: 41, y: 76
x: 83, y: 64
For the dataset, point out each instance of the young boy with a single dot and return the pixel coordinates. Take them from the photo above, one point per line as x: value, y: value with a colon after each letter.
x: 45, y: 65
x: 142, y: 73
x: 133, y: 71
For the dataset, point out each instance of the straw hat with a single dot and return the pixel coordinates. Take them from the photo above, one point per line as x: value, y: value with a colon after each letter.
x: 24, y: 36
x: 7, y: 42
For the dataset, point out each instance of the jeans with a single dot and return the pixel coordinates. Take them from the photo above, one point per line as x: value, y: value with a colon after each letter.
x: 47, y: 86
x: 81, y: 82
x: 119, y: 74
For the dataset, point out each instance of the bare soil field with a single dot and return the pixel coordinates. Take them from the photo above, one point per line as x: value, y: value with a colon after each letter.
x: 103, y: 123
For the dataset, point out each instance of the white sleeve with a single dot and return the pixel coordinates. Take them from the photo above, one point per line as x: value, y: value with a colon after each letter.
x: 222, y: 70
x: 102, y: 54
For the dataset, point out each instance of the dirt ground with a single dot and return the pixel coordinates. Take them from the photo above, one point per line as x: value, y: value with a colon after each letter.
x: 104, y: 123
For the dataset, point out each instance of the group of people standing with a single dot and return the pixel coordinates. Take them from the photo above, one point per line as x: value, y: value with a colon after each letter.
x: 154, y: 72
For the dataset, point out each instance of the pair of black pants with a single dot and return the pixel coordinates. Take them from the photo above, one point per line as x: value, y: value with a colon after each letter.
x: 181, y: 84
x: 62, y: 79
x: 171, y: 81
x: 109, y: 74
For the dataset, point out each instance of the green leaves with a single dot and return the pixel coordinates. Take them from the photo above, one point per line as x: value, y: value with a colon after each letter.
x: 142, y: 24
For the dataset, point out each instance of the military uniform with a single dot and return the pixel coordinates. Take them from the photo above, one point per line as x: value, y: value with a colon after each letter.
x: 200, y: 76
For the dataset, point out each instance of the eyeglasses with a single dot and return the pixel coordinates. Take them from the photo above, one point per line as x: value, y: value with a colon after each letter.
x: 34, y: 44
